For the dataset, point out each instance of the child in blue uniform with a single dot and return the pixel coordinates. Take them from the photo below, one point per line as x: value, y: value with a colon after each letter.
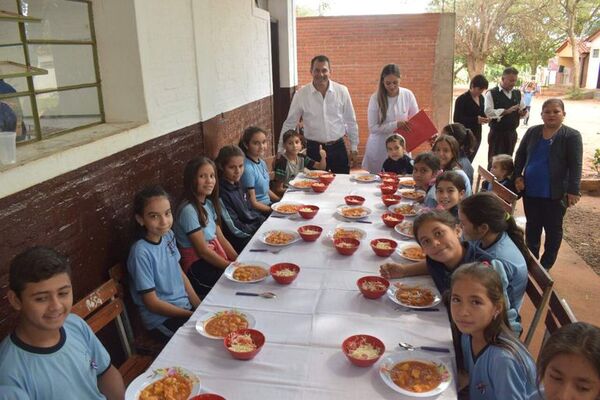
x: 240, y: 220
x: 52, y: 354
x: 503, y: 167
x: 255, y: 179
x: 499, y: 366
x: 447, y: 150
x: 205, y: 252
x: 398, y: 161
x: 159, y: 288
x: 449, y: 191
x: 466, y: 145
x: 426, y: 168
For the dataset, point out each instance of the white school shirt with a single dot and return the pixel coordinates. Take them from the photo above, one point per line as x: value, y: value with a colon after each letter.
x: 496, y: 113
x: 326, y: 118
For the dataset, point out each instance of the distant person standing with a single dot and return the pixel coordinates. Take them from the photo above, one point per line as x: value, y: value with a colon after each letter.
x: 327, y: 115
x: 529, y: 90
x: 469, y: 110
x: 504, y: 106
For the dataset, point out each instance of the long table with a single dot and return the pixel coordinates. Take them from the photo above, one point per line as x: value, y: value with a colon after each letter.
x: 307, y: 322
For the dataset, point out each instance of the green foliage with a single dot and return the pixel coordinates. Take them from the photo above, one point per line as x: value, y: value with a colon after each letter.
x: 596, y: 162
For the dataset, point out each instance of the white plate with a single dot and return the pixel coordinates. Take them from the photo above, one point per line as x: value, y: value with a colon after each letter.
x: 365, y: 178
x: 363, y: 234
x: 205, y: 317
x: 391, y: 293
x: 388, y: 363
x: 296, y: 183
x: 263, y: 237
x: 407, y: 182
x: 405, y: 229
x: 367, y: 211
x: 412, y: 194
x: 274, y: 206
x: 314, y: 174
x: 138, y: 384
x: 233, y: 266
x: 393, y: 208
x: 400, y: 250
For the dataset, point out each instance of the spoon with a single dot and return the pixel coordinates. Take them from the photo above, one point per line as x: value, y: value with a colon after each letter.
x: 410, y: 347
x: 266, y: 295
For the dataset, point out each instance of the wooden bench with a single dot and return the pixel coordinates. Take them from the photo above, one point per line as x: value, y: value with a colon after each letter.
x: 559, y: 313
x: 483, y: 175
x: 508, y: 196
x: 538, y: 290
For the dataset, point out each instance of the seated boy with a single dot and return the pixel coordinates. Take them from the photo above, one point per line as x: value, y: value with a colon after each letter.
x: 52, y: 354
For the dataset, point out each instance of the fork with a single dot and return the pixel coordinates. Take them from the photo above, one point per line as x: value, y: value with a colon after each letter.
x: 273, y: 251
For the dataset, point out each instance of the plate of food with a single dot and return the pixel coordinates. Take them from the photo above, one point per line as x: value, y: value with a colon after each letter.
x: 365, y: 178
x: 353, y: 212
x: 405, y: 229
x: 415, y: 373
x: 303, y: 184
x: 172, y: 382
x: 279, y: 237
x: 286, y: 208
x: 406, y: 209
x: 407, y: 182
x: 313, y: 174
x: 411, y: 251
x: 247, y: 272
x: 347, y: 232
x: 413, y: 295
x: 217, y: 325
x: 412, y: 194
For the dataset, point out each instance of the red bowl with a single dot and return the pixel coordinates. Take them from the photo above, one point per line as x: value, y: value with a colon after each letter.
x: 343, y: 250
x: 355, y: 341
x: 386, y: 218
x: 310, y: 237
x: 327, y: 178
x: 284, y: 280
x: 384, y: 252
x: 303, y: 211
x: 372, y: 294
x: 388, y: 189
x: 257, y: 337
x: 208, y: 396
x: 354, y: 200
x: 319, y: 187
x: 390, y: 181
x: 390, y: 199
x: 390, y: 174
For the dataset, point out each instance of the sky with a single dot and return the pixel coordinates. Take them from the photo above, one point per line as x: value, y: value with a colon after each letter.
x: 370, y: 7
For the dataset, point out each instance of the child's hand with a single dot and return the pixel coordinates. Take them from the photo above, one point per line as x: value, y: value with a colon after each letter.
x: 520, y: 184
x: 391, y: 270
x: 322, y: 153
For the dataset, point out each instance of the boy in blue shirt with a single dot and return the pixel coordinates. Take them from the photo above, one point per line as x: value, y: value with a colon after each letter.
x: 52, y: 354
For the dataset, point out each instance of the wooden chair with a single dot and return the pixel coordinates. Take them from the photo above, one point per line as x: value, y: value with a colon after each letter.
x: 559, y: 313
x: 507, y: 196
x: 103, y: 306
x: 538, y: 290
x: 483, y: 175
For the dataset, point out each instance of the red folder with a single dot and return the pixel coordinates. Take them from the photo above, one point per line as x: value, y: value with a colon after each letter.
x: 421, y: 130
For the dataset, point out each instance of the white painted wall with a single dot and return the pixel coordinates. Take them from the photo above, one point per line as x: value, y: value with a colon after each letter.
x: 285, y: 13
x: 593, y: 65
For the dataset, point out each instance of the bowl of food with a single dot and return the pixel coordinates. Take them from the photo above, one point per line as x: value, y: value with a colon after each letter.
x: 319, y: 187
x: 388, y: 174
x: 383, y: 247
x: 390, y: 181
x: 388, y: 189
x: 363, y: 350
x: 310, y: 233
x: 353, y: 200
x: 284, y: 273
x: 390, y: 199
x: 308, y: 212
x: 346, y: 246
x: 208, y: 396
x: 326, y: 178
x: 372, y: 287
x: 391, y: 219
x: 244, y: 344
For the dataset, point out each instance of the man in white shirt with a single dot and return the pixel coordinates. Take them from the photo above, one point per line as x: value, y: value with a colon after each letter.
x: 504, y: 106
x: 327, y: 114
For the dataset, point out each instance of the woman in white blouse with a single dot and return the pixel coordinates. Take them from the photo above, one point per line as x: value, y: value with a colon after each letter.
x: 389, y: 109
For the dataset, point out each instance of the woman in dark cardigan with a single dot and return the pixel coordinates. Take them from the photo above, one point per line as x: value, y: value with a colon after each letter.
x: 548, y: 172
x: 468, y: 110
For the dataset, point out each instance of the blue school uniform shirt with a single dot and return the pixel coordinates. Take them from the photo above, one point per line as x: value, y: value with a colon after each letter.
x: 430, y: 200
x: 188, y: 222
x: 497, y: 374
x: 155, y: 267
x: 537, y: 171
x: 256, y: 176
x: 67, y: 370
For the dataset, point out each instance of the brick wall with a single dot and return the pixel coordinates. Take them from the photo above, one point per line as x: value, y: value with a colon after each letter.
x: 359, y: 47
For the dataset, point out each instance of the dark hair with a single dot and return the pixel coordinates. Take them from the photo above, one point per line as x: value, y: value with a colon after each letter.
x: 556, y: 101
x: 465, y: 138
x: 479, y: 81
x: 430, y: 159
x: 36, y: 264
x: 190, y: 193
x: 510, y: 71
x: 454, y: 178
x: 578, y: 338
x: 226, y: 153
x: 486, y: 208
x: 382, y: 100
x: 396, y: 138
x: 506, y: 163
x: 453, y: 143
x: 247, y: 136
x: 441, y: 216
x: 139, y: 204
x: 319, y: 58
x: 290, y: 134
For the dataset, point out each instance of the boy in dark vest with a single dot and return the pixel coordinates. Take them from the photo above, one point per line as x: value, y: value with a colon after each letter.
x: 504, y: 106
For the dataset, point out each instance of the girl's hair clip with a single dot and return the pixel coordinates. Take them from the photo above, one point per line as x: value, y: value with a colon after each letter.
x: 486, y: 263
x: 506, y: 216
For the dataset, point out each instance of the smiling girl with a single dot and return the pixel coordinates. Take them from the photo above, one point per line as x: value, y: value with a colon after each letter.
x: 447, y: 150
x: 449, y: 191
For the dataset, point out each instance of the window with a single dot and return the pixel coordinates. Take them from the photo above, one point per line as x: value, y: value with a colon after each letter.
x: 57, y: 88
x: 595, y: 53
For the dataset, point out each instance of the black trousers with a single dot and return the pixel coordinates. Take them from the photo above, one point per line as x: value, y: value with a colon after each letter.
x: 203, y: 276
x: 337, y: 156
x: 501, y: 142
x: 546, y: 214
x: 477, y: 134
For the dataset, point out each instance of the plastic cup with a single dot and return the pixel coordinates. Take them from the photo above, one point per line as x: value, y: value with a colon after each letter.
x: 8, y: 147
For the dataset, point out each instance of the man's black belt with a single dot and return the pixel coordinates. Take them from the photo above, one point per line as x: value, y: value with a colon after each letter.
x: 331, y: 143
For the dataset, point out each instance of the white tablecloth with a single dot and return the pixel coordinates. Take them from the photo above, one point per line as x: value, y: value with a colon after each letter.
x: 307, y: 322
